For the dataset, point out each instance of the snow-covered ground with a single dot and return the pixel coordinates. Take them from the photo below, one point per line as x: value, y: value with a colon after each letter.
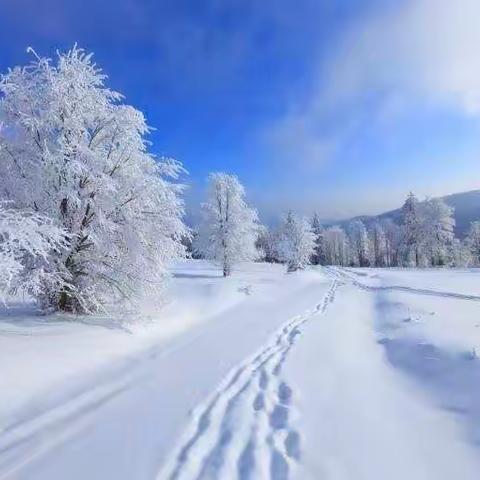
x: 328, y: 373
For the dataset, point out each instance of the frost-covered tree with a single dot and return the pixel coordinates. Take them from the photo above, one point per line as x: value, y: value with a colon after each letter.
x: 297, y: 242
x: 460, y: 255
x: 378, y: 242
x: 427, y: 232
x: 267, y: 245
x: 27, y: 241
x: 337, y: 250
x: 393, y: 242
x: 318, y: 257
x: 359, y: 243
x: 437, y: 231
x: 229, y: 227
x: 72, y: 151
x: 473, y: 241
x: 412, y: 231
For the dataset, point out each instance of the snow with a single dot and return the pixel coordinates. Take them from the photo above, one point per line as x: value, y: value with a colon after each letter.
x: 325, y: 373
x: 63, y: 378
x: 360, y: 418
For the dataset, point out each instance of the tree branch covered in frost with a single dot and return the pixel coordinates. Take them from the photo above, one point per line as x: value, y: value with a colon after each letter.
x: 27, y: 241
x: 70, y: 150
x: 229, y: 227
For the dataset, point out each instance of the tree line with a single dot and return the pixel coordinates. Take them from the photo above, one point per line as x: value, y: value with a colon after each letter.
x: 424, y: 237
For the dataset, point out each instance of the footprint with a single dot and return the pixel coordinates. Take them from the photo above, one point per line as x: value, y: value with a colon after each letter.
x: 292, y: 445
x: 278, y: 466
x: 263, y: 380
x: 284, y: 393
x: 259, y: 402
x: 279, y: 417
x: 246, y: 462
x: 206, y: 450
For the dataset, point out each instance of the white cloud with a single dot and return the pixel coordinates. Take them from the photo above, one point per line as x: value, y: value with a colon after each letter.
x: 419, y: 52
x: 427, y: 48
x: 297, y: 138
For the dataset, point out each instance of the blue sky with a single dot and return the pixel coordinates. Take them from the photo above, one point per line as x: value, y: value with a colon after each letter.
x: 337, y: 106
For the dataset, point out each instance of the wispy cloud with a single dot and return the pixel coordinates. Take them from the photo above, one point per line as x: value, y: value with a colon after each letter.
x: 426, y: 48
x: 414, y: 54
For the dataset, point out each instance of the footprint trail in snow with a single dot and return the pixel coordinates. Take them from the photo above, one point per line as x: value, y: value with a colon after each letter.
x: 243, y: 430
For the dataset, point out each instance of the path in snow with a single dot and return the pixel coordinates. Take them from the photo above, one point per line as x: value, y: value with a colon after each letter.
x: 243, y: 430
x: 341, y: 273
x: 363, y: 418
x: 121, y: 420
x: 320, y: 399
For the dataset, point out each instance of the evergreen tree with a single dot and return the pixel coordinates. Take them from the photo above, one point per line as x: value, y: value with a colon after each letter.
x: 318, y: 257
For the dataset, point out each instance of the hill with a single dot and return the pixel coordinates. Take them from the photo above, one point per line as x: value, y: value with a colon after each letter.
x: 466, y: 210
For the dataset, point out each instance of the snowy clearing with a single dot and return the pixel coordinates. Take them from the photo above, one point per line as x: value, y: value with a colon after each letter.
x: 326, y: 373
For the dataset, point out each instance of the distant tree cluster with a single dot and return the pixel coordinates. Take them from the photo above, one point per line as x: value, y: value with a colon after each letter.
x: 423, y: 238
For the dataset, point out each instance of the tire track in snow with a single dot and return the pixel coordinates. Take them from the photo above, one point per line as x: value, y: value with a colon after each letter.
x: 243, y: 430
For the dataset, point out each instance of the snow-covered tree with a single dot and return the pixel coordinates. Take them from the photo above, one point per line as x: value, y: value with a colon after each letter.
x: 297, y: 242
x: 393, y: 242
x: 72, y: 151
x: 27, y: 240
x: 412, y: 231
x: 318, y: 257
x: 437, y: 231
x: 229, y: 227
x: 379, y: 247
x: 460, y: 255
x: 337, y: 250
x: 473, y: 241
x: 267, y: 245
x: 427, y: 232
x: 359, y: 243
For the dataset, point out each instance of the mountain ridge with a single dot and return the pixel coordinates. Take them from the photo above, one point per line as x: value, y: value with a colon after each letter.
x: 466, y: 207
